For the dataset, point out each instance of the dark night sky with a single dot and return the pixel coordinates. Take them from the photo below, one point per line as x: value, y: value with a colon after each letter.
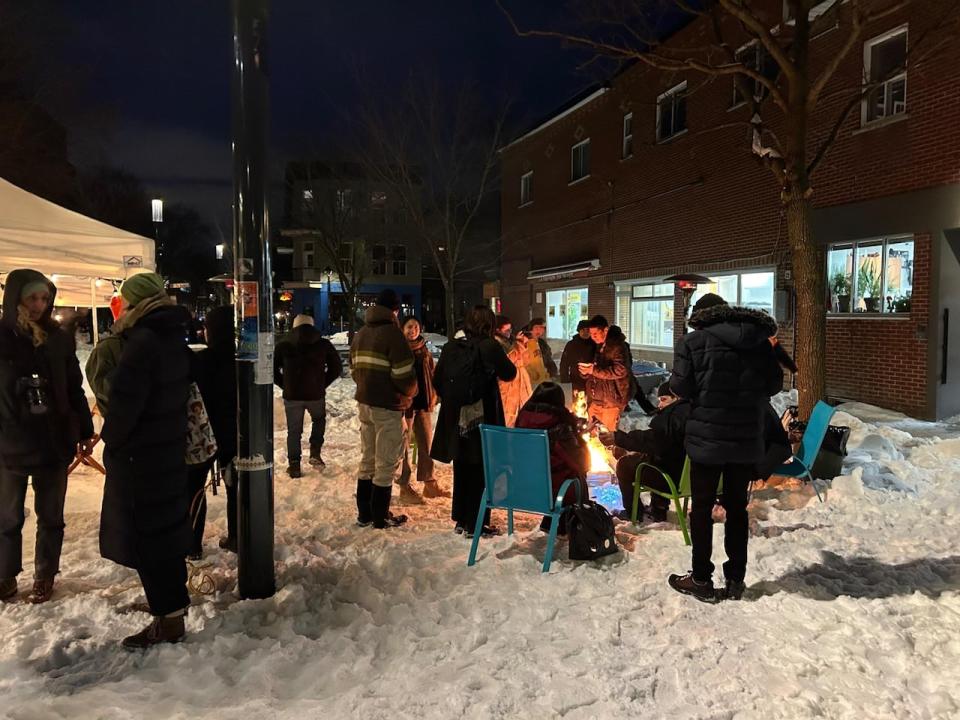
x: 156, y: 77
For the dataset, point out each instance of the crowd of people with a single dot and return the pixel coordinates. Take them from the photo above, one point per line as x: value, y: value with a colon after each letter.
x: 145, y: 378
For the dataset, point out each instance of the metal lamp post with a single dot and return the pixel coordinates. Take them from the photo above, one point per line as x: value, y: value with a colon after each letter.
x: 156, y: 214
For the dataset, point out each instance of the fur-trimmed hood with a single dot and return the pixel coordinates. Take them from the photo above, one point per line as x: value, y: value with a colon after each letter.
x: 735, y: 326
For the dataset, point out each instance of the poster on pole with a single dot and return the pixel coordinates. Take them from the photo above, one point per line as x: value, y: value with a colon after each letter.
x: 263, y: 369
x: 249, y: 337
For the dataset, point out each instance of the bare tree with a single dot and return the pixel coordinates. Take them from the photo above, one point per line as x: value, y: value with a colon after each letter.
x: 437, y: 152
x: 789, y: 91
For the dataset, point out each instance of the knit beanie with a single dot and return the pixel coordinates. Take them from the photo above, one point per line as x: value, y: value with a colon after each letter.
x: 302, y: 319
x: 708, y: 301
x: 33, y: 287
x: 141, y: 286
x: 664, y: 390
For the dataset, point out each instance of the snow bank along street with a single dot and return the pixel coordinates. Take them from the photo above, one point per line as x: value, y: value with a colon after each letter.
x: 852, y: 609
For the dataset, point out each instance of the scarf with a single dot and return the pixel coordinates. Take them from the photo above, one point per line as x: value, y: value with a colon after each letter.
x: 141, y: 309
x: 33, y: 330
x: 417, y: 345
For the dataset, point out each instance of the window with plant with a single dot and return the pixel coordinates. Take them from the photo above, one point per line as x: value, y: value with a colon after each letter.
x: 871, y: 276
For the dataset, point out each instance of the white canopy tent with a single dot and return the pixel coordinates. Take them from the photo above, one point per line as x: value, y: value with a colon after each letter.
x: 81, y: 255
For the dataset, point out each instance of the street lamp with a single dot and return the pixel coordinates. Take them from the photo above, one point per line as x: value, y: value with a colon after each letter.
x: 156, y: 212
x: 687, y: 282
x: 327, y: 273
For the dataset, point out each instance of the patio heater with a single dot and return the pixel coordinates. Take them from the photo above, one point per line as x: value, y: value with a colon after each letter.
x: 687, y: 282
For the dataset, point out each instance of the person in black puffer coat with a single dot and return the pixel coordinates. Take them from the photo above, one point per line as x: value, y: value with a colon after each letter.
x: 40, y: 427
x: 305, y: 364
x: 728, y: 370
x: 215, y: 370
x: 144, y: 523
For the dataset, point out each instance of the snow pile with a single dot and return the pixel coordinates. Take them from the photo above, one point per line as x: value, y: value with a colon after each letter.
x: 852, y: 610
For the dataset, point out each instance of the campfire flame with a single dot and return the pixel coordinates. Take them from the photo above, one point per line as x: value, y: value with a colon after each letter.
x: 599, y: 458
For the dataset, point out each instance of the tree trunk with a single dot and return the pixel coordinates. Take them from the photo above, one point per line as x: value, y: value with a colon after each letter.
x: 809, y: 278
x: 449, y: 307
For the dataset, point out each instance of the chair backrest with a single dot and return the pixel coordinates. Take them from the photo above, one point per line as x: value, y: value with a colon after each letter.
x: 684, y: 488
x: 815, y: 433
x: 516, y: 467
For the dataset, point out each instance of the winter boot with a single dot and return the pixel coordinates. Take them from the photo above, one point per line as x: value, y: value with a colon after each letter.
x: 315, y: 458
x: 686, y: 585
x: 42, y: 591
x: 294, y: 469
x: 8, y: 589
x: 380, y: 505
x: 228, y: 543
x: 432, y: 489
x: 161, y: 630
x: 733, y: 591
x: 409, y: 496
x: 364, y: 507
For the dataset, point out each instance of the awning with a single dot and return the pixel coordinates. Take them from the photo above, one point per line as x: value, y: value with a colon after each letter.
x: 558, y: 272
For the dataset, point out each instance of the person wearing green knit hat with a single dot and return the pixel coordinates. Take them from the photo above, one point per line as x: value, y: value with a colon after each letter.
x: 141, y: 286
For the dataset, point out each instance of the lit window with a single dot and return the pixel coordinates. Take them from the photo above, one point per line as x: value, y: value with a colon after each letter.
x: 526, y: 188
x: 650, y: 314
x: 750, y: 289
x: 580, y: 161
x: 870, y: 276
x: 565, y: 310
x: 885, y: 72
x: 626, y: 149
x: 672, y: 112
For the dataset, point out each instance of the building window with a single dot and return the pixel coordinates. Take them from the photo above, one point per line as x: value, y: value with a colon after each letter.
x: 399, y: 260
x: 308, y: 254
x: 645, y: 312
x: 565, y: 310
x: 343, y: 199
x: 754, y: 57
x: 749, y: 289
x: 672, y: 112
x: 379, y: 260
x: 346, y: 256
x: 580, y: 161
x: 871, y: 276
x: 885, y: 72
x: 378, y: 198
x: 526, y: 187
x: 626, y: 149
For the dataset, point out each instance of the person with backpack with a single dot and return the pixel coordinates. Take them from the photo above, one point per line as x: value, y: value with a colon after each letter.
x: 728, y: 370
x: 609, y: 380
x: 580, y: 349
x: 383, y: 369
x: 44, y: 423
x: 466, y: 380
x: 305, y: 364
x: 418, y: 420
x: 569, y: 457
x: 516, y: 391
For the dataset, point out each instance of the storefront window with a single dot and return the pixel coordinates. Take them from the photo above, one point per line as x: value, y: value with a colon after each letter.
x: 565, y: 310
x: 870, y: 277
x: 651, y: 315
x: 753, y: 289
x: 899, y: 276
x: 840, y: 277
x: 725, y: 286
x: 869, y: 280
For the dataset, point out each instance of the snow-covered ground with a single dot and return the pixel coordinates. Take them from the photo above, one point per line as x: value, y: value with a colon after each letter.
x: 852, y: 610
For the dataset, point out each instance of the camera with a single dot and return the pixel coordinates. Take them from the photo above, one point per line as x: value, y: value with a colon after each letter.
x: 34, y: 388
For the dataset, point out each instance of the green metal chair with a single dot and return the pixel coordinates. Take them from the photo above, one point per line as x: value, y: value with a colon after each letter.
x: 676, y: 493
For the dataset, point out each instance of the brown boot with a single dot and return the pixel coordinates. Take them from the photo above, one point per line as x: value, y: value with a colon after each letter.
x: 409, y: 496
x: 161, y: 630
x: 432, y: 489
x: 42, y: 591
x: 8, y: 589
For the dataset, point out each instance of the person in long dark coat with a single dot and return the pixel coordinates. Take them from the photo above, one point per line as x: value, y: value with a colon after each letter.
x: 44, y: 417
x: 144, y: 523
x: 465, y: 450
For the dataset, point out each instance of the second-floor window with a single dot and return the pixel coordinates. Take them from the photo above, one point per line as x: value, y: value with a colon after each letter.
x: 379, y: 260
x: 885, y: 73
x: 580, y: 160
x: 754, y: 57
x: 308, y: 254
x: 626, y: 149
x: 672, y: 112
x: 526, y: 188
x: 346, y: 256
x: 399, y: 260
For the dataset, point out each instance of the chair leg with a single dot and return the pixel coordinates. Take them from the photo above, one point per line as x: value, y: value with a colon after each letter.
x: 510, y: 521
x: 682, y: 518
x: 815, y: 489
x: 554, y: 524
x: 636, y: 503
x: 477, y: 532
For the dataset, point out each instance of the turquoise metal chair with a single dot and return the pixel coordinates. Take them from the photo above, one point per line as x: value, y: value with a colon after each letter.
x: 677, y: 493
x: 802, y: 463
x: 516, y: 471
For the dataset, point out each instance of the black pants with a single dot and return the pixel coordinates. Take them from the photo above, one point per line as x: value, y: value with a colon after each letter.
x: 626, y: 474
x: 468, y: 488
x: 703, y: 485
x: 294, y: 410
x: 50, y: 490
x: 196, y: 482
x: 164, y: 581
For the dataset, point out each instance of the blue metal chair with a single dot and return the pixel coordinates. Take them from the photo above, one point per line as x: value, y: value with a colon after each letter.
x: 516, y: 470
x: 802, y: 463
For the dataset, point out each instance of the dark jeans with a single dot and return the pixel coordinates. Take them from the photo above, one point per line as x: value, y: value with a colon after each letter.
x: 703, y: 485
x: 197, y: 476
x: 164, y: 581
x: 627, y: 472
x: 50, y: 490
x: 420, y: 425
x: 468, y: 488
x: 318, y: 416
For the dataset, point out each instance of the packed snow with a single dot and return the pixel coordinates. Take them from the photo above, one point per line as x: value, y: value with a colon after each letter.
x: 852, y: 609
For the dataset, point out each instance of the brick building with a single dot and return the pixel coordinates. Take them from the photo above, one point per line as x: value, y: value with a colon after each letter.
x: 652, y: 175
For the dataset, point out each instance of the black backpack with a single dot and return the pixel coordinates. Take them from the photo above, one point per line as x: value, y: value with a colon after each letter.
x: 591, y: 533
x: 462, y: 382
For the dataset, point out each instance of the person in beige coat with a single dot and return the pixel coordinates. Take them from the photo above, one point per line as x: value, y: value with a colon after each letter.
x: 514, y: 393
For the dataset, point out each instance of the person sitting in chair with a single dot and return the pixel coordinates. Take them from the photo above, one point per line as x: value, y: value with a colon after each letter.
x: 660, y: 445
